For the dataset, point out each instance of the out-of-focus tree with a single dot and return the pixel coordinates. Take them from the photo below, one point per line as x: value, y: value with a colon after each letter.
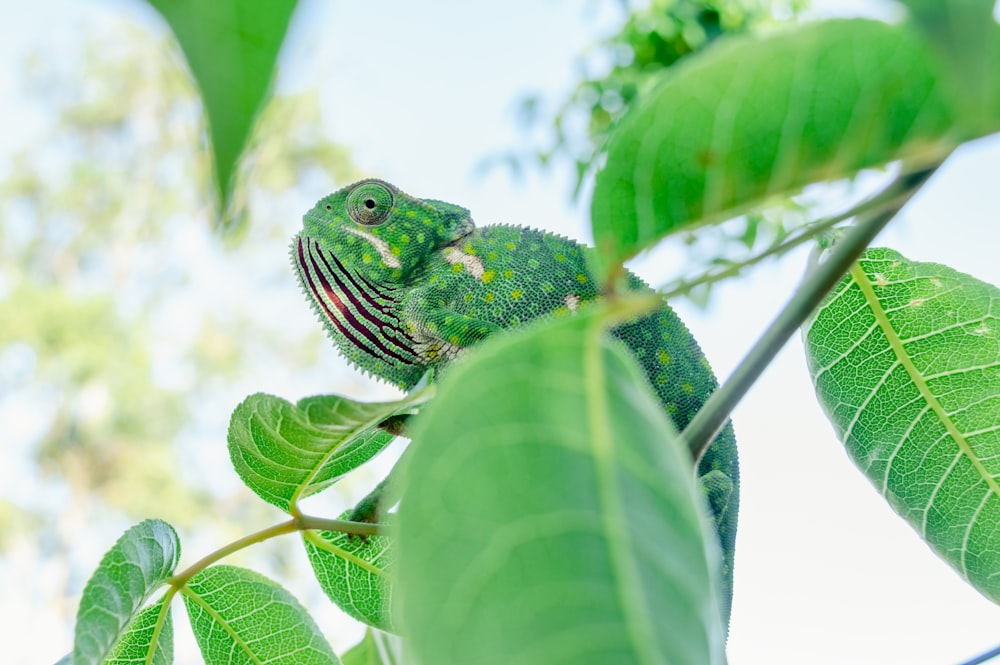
x: 96, y: 219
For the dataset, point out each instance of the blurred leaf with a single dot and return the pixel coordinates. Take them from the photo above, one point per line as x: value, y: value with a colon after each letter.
x: 905, y: 359
x: 373, y: 649
x: 137, y: 646
x: 239, y: 616
x: 356, y: 574
x: 286, y: 452
x: 550, y: 514
x: 129, y: 573
x: 231, y: 48
x: 759, y: 117
x: 966, y: 35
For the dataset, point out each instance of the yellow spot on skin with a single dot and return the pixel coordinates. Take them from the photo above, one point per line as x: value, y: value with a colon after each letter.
x: 456, y: 267
x: 367, y: 258
x: 664, y: 357
x: 580, y: 277
x: 338, y: 219
x: 488, y: 297
x: 453, y: 339
x: 396, y: 251
x: 428, y: 221
x: 661, y: 379
x: 420, y: 237
x: 374, y: 232
x: 511, y: 246
x: 687, y: 387
x: 404, y: 238
x: 433, y: 279
x: 431, y: 327
x: 488, y: 276
x: 411, y: 213
x: 468, y: 248
x: 468, y: 297
x: 559, y: 257
x: 509, y: 274
x: 560, y: 311
x: 516, y: 293
x: 671, y: 408
x: 492, y: 256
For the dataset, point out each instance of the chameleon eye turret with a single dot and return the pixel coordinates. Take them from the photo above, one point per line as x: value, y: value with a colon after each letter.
x: 370, y: 202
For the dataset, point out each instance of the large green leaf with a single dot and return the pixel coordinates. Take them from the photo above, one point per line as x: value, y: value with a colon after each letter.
x: 231, y: 47
x: 286, y: 452
x: 129, y: 573
x: 354, y: 573
x: 239, y: 616
x: 149, y: 639
x: 756, y: 117
x: 549, y: 514
x: 905, y: 357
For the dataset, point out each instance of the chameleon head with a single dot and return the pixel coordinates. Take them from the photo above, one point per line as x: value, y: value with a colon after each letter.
x: 379, y: 232
x: 355, y: 256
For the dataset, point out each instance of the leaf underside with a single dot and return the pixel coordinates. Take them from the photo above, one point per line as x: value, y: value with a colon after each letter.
x: 239, y: 616
x: 753, y: 117
x: 134, y: 568
x: 285, y: 452
x: 905, y: 357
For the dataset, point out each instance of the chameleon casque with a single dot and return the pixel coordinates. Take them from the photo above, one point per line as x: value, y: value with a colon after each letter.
x: 404, y: 285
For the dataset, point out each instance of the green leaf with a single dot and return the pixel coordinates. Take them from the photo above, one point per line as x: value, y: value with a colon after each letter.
x: 375, y: 648
x: 286, y: 452
x: 129, y: 573
x: 965, y: 36
x: 231, y: 48
x: 752, y: 118
x: 239, y: 616
x: 550, y: 515
x: 905, y: 357
x: 152, y: 632
x: 354, y: 573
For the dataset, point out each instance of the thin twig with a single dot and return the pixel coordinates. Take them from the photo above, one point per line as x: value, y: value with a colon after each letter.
x: 712, y: 417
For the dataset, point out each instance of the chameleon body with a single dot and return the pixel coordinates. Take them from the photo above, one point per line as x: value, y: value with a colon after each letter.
x: 404, y: 285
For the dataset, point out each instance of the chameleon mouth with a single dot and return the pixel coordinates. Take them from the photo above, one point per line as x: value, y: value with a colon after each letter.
x: 363, y: 313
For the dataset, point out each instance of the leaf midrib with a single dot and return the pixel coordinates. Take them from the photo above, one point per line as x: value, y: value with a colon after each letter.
x: 899, y: 349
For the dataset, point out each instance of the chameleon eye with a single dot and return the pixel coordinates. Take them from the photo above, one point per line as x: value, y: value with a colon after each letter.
x: 370, y: 203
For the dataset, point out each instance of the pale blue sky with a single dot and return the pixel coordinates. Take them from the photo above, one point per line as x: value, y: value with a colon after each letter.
x: 421, y: 92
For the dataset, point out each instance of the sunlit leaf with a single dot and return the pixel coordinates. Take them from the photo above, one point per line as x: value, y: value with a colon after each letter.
x: 239, y: 616
x: 285, y: 452
x: 754, y: 117
x: 354, y: 573
x: 905, y: 357
x: 129, y: 573
x: 231, y: 48
x: 549, y: 514
x: 148, y: 640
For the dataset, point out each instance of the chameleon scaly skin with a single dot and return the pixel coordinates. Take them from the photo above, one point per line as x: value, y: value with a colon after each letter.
x: 405, y: 284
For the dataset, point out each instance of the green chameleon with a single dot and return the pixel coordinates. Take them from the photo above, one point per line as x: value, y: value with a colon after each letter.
x: 404, y: 285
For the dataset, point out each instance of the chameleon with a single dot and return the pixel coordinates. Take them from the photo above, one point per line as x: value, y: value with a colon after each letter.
x: 405, y: 285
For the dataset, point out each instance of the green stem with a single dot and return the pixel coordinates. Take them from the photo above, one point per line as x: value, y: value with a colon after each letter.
x: 712, y: 417
x: 804, y: 234
x: 279, y: 529
x: 297, y: 523
x: 344, y: 526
